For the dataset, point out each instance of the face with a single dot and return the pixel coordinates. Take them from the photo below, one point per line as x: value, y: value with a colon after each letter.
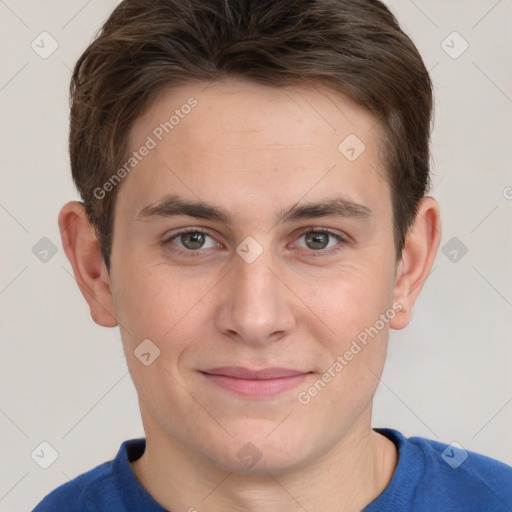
x: 266, y: 286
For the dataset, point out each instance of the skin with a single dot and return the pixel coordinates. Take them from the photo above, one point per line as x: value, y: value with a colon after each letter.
x: 255, y: 150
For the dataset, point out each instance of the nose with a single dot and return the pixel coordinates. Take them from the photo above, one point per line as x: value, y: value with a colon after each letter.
x: 255, y: 306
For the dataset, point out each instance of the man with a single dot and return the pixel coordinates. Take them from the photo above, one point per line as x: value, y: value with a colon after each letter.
x: 255, y: 220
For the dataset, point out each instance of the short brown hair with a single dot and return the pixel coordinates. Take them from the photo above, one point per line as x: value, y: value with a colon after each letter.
x: 355, y: 46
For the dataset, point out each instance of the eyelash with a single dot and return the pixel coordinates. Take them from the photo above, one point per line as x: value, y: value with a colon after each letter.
x: 198, y: 253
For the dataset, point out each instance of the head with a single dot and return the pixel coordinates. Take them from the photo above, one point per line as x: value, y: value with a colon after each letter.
x: 254, y: 180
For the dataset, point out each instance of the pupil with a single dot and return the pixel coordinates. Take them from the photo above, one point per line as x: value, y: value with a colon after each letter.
x: 319, y: 240
x: 192, y: 240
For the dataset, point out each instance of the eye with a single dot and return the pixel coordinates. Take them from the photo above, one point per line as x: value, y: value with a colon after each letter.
x: 191, y: 240
x: 321, y: 240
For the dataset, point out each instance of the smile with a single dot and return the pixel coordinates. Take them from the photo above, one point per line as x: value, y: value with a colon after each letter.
x: 255, y: 383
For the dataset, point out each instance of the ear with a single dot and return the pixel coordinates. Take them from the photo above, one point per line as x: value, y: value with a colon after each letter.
x: 418, y: 255
x: 83, y: 251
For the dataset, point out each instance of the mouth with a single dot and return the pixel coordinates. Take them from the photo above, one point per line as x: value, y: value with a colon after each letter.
x: 247, y: 382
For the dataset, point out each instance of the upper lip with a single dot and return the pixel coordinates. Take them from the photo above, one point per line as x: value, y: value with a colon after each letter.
x: 240, y: 372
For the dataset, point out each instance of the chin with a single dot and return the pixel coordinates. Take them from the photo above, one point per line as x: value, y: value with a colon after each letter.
x: 258, y: 453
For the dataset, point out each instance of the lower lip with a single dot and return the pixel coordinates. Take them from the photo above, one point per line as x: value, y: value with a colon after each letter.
x: 256, y: 387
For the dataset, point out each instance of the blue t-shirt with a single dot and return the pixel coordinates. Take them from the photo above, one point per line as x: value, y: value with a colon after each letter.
x: 430, y: 477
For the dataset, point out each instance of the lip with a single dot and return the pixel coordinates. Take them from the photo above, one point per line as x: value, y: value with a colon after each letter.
x: 248, y: 382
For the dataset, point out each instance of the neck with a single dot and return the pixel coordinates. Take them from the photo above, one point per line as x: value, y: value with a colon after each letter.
x: 345, y: 478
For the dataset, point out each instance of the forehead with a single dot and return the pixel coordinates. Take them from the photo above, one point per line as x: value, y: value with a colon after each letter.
x: 243, y: 110
x: 255, y: 140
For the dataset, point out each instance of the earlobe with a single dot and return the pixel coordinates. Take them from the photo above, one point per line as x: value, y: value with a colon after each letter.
x: 83, y: 251
x: 417, y: 259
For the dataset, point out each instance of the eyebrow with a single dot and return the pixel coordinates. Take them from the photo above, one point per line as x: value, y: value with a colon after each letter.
x: 171, y: 206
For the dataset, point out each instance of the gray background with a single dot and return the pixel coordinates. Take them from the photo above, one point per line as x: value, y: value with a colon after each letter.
x: 64, y: 379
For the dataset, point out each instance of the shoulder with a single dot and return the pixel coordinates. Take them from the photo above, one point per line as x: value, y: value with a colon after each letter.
x: 75, y: 494
x: 454, y: 463
x: 96, y: 489
x: 454, y: 478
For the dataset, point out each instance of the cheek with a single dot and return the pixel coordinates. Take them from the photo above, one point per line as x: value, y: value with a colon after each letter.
x: 157, y: 305
x: 349, y: 301
x: 356, y: 346
x: 151, y: 301
x: 351, y: 305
